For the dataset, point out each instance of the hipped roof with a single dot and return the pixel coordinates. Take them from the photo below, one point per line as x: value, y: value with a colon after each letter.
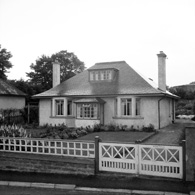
x: 126, y: 82
x: 8, y: 90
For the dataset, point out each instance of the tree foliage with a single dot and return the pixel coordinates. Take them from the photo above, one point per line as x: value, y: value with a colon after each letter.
x: 5, y: 64
x: 41, y: 74
x: 183, y: 93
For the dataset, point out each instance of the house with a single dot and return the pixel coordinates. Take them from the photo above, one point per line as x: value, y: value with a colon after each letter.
x: 109, y: 92
x: 11, y: 97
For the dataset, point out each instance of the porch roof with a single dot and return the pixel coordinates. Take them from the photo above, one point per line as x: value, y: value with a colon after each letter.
x: 90, y: 100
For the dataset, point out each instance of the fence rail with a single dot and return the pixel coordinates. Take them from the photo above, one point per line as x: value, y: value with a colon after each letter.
x: 48, y: 147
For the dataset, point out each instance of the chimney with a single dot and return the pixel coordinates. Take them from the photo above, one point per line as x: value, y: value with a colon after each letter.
x: 56, y: 73
x: 162, y: 70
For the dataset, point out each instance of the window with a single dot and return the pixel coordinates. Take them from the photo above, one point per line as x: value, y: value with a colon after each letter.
x: 62, y: 107
x: 87, y: 111
x: 69, y: 108
x: 126, y: 107
x: 137, y: 111
x: 92, y: 76
x: 59, y: 105
x: 100, y: 75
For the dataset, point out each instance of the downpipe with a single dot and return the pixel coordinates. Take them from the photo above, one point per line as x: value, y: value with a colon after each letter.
x: 159, y: 112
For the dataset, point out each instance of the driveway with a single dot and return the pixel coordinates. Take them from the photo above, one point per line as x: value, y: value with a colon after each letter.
x: 172, y: 134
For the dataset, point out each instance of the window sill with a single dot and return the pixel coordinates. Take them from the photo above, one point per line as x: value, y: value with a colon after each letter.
x: 88, y: 119
x: 129, y: 117
x: 68, y: 117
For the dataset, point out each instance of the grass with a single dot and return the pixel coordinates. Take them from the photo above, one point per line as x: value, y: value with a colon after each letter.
x: 120, y: 136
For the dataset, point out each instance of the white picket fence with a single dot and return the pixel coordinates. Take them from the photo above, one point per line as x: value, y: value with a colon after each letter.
x: 155, y: 160
x: 47, y: 146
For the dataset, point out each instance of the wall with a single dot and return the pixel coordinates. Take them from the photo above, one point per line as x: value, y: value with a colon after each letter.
x: 109, y: 110
x: 84, y: 123
x: 45, y: 164
x: 45, y: 115
x: 149, y: 113
x: 7, y: 102
x: 190, y: 153
x: 165, y: 112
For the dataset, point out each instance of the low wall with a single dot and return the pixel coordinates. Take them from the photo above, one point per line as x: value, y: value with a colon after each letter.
x: 45, y: 164
x: 190, y: 153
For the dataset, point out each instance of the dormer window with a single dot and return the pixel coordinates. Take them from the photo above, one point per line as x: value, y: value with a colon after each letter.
x: 101, y: 75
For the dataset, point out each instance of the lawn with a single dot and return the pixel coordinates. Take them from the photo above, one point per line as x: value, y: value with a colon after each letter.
x: 120, y: 136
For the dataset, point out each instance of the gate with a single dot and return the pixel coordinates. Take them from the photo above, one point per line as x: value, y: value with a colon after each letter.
x: 164, y: 161
x: 155, y: 160
x: 118, y: 157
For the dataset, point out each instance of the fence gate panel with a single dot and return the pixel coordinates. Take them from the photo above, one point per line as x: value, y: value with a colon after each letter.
x: 118, y: 157
x: 164, y: 161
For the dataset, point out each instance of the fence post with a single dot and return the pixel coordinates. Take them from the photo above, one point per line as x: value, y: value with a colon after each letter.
x: 184, y: 159
x: 97, y: 140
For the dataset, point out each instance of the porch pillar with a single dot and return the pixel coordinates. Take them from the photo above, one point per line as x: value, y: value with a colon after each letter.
x: 118, y: 106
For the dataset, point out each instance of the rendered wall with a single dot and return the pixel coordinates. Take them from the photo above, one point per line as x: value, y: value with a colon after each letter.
x: 149, y: 113
x: 46, y: 118
x: 165, y: 112
x: 8, y: 102
x: 84, y: 123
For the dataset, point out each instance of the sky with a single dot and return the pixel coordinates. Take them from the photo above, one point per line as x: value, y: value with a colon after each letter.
x: 102, y: 31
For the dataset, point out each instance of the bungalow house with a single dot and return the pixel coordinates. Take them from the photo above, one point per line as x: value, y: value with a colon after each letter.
x: 11, y: 97
x: 109, y: 92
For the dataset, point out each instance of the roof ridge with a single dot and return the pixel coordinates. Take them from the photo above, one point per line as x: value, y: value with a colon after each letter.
x: 111, y: 62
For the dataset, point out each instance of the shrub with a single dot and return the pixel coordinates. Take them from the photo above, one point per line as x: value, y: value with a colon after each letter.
x: 149, y: 128
x: 73, y: 135
x: 97, y: 127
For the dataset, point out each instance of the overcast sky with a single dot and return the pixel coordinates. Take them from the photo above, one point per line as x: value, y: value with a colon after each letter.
x: 100, y: 31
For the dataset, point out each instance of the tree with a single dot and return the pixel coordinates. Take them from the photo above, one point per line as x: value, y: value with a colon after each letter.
x: 41, y: 74
x: 5, y: 64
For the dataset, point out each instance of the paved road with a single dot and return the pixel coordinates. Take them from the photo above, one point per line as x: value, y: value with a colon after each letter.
x: 8, y: 190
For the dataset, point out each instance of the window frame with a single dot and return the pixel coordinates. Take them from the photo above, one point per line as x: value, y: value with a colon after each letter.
x: 126, y: 109
x: 137, y: 107
x: 55, y: 112
x: 100, y: 75
x: 87, y: 111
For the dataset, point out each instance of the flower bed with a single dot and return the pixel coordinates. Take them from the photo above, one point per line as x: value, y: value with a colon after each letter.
x: 64, y: 132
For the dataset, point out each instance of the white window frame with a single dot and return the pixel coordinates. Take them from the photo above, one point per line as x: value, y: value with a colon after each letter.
x: 71, y: 108
x: 120, y: 106
x: 100, y: 75
x: 54, y: 108
x: 84, y: 108
x: 126, y: 107
x: 137, y: 107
